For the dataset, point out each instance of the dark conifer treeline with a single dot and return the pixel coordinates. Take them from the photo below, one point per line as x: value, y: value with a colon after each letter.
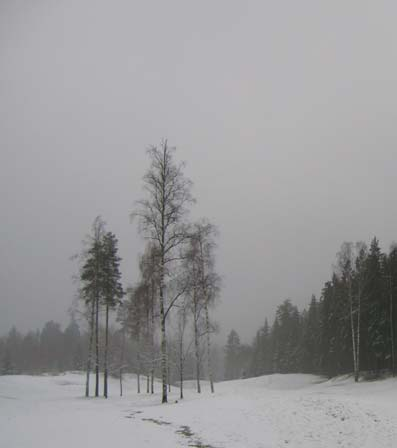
x: 48, y: 350
x: 55, y: 350
x: 349, y: 329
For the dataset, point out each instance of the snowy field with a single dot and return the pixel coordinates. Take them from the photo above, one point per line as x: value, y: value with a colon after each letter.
x: 271, y: 411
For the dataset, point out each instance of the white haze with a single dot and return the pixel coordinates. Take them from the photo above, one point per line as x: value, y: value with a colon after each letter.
x: 284, y: 111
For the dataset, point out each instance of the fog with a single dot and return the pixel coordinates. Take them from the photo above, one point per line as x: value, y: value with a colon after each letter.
x: 285, y: 113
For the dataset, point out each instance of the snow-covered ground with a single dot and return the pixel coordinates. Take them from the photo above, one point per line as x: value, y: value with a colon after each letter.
x: 271, y: 411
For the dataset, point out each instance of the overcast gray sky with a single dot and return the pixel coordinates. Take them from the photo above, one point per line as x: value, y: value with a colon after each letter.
x: 285, y: 112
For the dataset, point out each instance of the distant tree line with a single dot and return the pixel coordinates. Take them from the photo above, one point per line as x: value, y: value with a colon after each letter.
x: 53, y: 350
x: 350, y: 329
x: 46, y: 350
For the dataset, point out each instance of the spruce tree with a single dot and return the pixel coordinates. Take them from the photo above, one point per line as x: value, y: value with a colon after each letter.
x: 91, y: 289
x: 311, y: 338
x: 377, y: 309
x: 112, y: 290
x: 232, y: 356
x: 392, y: 293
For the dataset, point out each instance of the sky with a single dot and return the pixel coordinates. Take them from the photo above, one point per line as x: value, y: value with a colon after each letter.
x: 285, y: 113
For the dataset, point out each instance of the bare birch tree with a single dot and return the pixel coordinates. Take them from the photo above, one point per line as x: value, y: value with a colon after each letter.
x: 180, y: 336
x: 390, y: 278
x: 345, y: 265
x: 149, y: 267
x: 360, y: 283
x: 197, y: 306
x: 195, y: 296
x: 209, y: 280
x: 350, y: 263
x: 204, y: 287
x: 135, y: 323
x: 161, y: 218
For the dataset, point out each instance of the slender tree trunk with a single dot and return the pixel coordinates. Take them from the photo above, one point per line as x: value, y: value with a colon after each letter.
x: 169, y: 377
x: 138, y: 376
x: 196, y: 345
x: 121, y: 380
x: 89, y: 357
x: 105, y: 376
x: 152, y: 340
x: 353, y: 332
x: 138, y: 382
x: 207, y: 320
x: 97, y: 317
x: 122, y: 362
x: 163, y: 336
x: 391, y: 326
x: 207, y: 325
x: 358, y: 334
x: 181, y: 368
x: 163, y: 360
x: 97, y: 345
x: 148, y: 350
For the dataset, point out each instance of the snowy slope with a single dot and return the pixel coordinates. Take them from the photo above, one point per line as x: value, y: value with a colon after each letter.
x: 270, y: 411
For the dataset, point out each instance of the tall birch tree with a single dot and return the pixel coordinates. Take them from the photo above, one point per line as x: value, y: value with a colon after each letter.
x: 161, y: 218
x: 209, y: 280
x: 351, y: 264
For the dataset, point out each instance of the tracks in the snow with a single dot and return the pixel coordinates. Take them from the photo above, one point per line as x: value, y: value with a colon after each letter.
x: 183, y: 430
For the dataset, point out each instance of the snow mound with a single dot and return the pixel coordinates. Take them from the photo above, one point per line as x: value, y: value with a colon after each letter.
x: 287, y: 381
x: 275, y: 381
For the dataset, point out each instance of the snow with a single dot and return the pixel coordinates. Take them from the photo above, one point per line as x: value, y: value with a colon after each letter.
x: 266, y: 412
